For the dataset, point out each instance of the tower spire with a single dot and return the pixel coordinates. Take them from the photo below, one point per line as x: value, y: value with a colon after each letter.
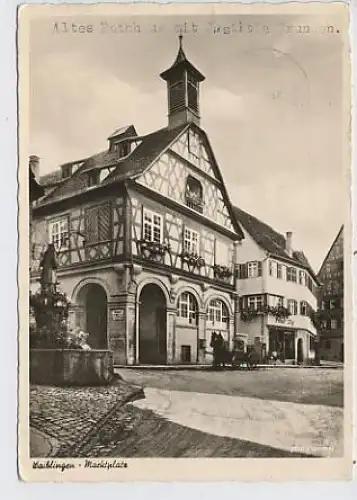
x: 183, y: 81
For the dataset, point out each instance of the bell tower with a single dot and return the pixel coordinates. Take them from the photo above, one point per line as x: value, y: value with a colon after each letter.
x: 183, y: 81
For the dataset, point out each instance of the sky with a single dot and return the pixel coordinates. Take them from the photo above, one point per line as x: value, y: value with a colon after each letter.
x: 271, y: 105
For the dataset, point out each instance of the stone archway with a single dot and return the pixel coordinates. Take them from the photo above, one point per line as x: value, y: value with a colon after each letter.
x: 152, y: 325
x: 92, y: 299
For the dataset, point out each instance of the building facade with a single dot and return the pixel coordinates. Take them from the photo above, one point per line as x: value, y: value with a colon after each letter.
x: 278, y: 291
x: 331, y: 302
x: 146, y: 237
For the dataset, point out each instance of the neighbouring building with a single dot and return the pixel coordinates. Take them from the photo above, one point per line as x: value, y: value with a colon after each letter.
x: 146, y: 237
x: 277, y: 289
x: 331, y: 302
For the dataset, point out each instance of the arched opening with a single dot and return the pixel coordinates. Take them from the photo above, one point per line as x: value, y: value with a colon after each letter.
x: 152, y: 326
x: 218, y: 322
x: 187, y: 329
x: 93, y: 301
x: 300, y: 352
x: 194, y: 194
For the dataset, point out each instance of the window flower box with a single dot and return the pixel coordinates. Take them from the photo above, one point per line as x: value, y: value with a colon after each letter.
x: 153, y: 249
x: 193, y: 260
x: 250, y: 313
x: 222, y: 272
x: 280, y: 312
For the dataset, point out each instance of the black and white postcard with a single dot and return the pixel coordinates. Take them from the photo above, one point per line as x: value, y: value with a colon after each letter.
x: 185, y: 234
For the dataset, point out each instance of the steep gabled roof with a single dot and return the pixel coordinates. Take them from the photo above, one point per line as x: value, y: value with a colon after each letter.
x: 131, y: 166
x: 126, y: 131
x: 271, y: 241
x: 329, y: 251
x: 150, y: 147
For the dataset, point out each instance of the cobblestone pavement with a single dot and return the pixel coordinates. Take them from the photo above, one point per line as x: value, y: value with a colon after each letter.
x: 73, y: 414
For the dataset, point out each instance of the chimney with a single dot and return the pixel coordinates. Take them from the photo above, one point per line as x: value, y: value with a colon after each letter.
x: 34, y: 163
x: 288, y: 244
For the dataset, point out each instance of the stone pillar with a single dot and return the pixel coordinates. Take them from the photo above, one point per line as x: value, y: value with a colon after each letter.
x: 171, y: 332
x: 201, y: 341
x: 131, y: 330
x: 236, y: 314
x: 117, y: 315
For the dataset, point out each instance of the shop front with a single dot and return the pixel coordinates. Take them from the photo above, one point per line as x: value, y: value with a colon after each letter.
x: 282, y: 341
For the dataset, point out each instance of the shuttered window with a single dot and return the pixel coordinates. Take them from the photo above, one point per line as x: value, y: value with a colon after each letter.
x: 177, y: 96
x: 250, y: 270
x: 97, y: 224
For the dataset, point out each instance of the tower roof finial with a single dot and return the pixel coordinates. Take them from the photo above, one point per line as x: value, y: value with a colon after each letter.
x: 180, y: 63
x: 180, y: 39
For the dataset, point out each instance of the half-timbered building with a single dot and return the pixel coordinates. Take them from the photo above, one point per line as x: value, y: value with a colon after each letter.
x: 331, y: 303
x: 146, y: 237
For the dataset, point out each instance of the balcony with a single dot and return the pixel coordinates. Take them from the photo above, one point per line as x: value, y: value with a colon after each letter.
x: 194, y: 202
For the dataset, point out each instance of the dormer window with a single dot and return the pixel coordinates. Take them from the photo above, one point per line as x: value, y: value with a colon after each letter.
x: 66, y: 171
x: 93, y: 178
x: 123, y: 149
x: 194, y: 194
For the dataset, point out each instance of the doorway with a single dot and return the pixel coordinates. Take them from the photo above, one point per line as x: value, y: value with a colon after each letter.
x: 93, y: 299
x: 152, y: 326
x: 300, y: 351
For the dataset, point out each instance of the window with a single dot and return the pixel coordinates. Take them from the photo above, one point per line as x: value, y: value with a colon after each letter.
x: 192, y: 92
x: 93, y: 178
x: 276, y: 300
x: 291, y: 274
x: 66, y: 171
x: 279, y: 271
x: 122, y: 148
x: 302, y: 277
x: 97, y: 224
x: 221, y: 253
x: 292, y: 306
x: 303, y: 308
x: 58, y: 232
x: 191, y: 241
x: 334, y: 324
x: 176, y: 96
x: 187, y: 307
x: 152, y: 226
x: 273, y: 268
x: 194, y: 194
x: 218, y: 313
x: 309, y: 283
x: 255, y: 302
x: 254, y: 269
